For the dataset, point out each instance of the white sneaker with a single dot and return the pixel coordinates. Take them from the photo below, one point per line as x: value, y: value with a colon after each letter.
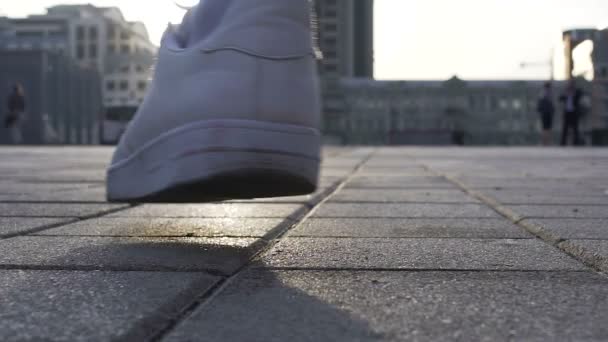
x: 234, y: 117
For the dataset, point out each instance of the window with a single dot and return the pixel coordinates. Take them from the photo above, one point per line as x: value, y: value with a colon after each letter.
x: 93, y: 51
x: 517, y: 104
x: 80, y: 33
x: 330, y: 55
x: 111, y: 32
x: 124, y: 68
x: 93, y: 33
x: 125, y: 48
x: 80, y: 54
x: 110, y: 86
x: 331, y: 27
x: 124, y: 85
x: 111, y: 48
x: 142, y: 85
x: 124, y: 35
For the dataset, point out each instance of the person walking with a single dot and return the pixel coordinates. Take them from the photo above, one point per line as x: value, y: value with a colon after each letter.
x: 571, y: 101
x: 16, y: 113
x: 546, y: 109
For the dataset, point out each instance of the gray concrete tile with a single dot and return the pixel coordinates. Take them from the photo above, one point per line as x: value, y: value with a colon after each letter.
x: 405, y: 210
x: 403, y: 195
x: 441, y: 254
x: 413, y: 228
x: 92, y: 306
x: 228, y: 210
x: 22, y: 225
x: 550, y: 194
x: 20, y: 188
x: 574, y: 228
x: 56, y: 209
x: 544, y: 199
x: 172, y: 227
x: 404, y: 306
x: 83, y: 194
x: 406, y: 182
x: 561, y: 211
x: 143, y: 254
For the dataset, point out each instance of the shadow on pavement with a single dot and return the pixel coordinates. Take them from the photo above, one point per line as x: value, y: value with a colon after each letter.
x: 255, y: 306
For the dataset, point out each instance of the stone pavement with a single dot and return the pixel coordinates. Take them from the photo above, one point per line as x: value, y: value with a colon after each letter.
x: 398, y: 244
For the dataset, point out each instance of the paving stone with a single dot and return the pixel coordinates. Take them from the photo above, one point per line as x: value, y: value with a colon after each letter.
x: 403, y: 195
x: 228, y: 210
x: 172, y: 227
x: 19, y: 188
x: 407, y: 182
x: 575, y: 228
x: 404, y: 306
x: 56, y: 209
x: 405, y: 210
x: 81, y: 195
x: 97, y: 175
x: 146, y: 254
x: 544, y: 199
x: 22, y: 225
x: 444, y: 254
x: 414, y: 228
x: 531, y: 183
x: 92, y: 306
x: 561, y: 211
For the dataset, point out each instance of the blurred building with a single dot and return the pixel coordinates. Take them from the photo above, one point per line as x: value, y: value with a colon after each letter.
x: 96, y: 39
x: 345, y: 36
x: 597, y: 73
x: 63, y: 100
x: 438, y: 113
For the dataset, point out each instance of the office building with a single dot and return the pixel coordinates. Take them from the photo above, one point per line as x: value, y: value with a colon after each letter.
x: 439, y: 113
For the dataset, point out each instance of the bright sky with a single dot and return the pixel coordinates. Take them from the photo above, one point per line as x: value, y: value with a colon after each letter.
x: 427, y: 39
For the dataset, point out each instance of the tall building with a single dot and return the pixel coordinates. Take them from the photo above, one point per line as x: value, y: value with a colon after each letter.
x: 599, y: 76
x: 97, y: 38
x: 346, y: 37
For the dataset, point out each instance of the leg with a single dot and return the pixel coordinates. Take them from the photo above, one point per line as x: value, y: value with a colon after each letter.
x: 575, y: 128
x: 564, y: 141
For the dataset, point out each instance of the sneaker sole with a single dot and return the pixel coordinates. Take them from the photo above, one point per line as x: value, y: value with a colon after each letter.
x: 219, y: 160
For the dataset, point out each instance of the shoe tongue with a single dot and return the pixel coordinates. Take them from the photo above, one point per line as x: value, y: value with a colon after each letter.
x: 200, y: 21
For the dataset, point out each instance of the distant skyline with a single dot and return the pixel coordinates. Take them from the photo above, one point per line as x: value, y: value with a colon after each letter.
x: 427, y: 39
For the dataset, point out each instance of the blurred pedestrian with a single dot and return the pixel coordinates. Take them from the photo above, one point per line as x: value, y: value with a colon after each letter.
x: 546, y: 109
x: 571, y: 100
x: 16, y: 113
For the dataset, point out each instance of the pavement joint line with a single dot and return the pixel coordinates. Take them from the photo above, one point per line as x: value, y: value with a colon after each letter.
x: 411, y: 217
x: 52, y: 202
x: 520, y: 220
x: 398, y: 202
x: 406, y: 237
x: 594, y: 262
x: 271, y: 239
x: 557, y: 204
x: 412, y: 270
x: 185, y: 236
x: 27, y: 267
x: 69, y: 221
x: 61, y: 224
